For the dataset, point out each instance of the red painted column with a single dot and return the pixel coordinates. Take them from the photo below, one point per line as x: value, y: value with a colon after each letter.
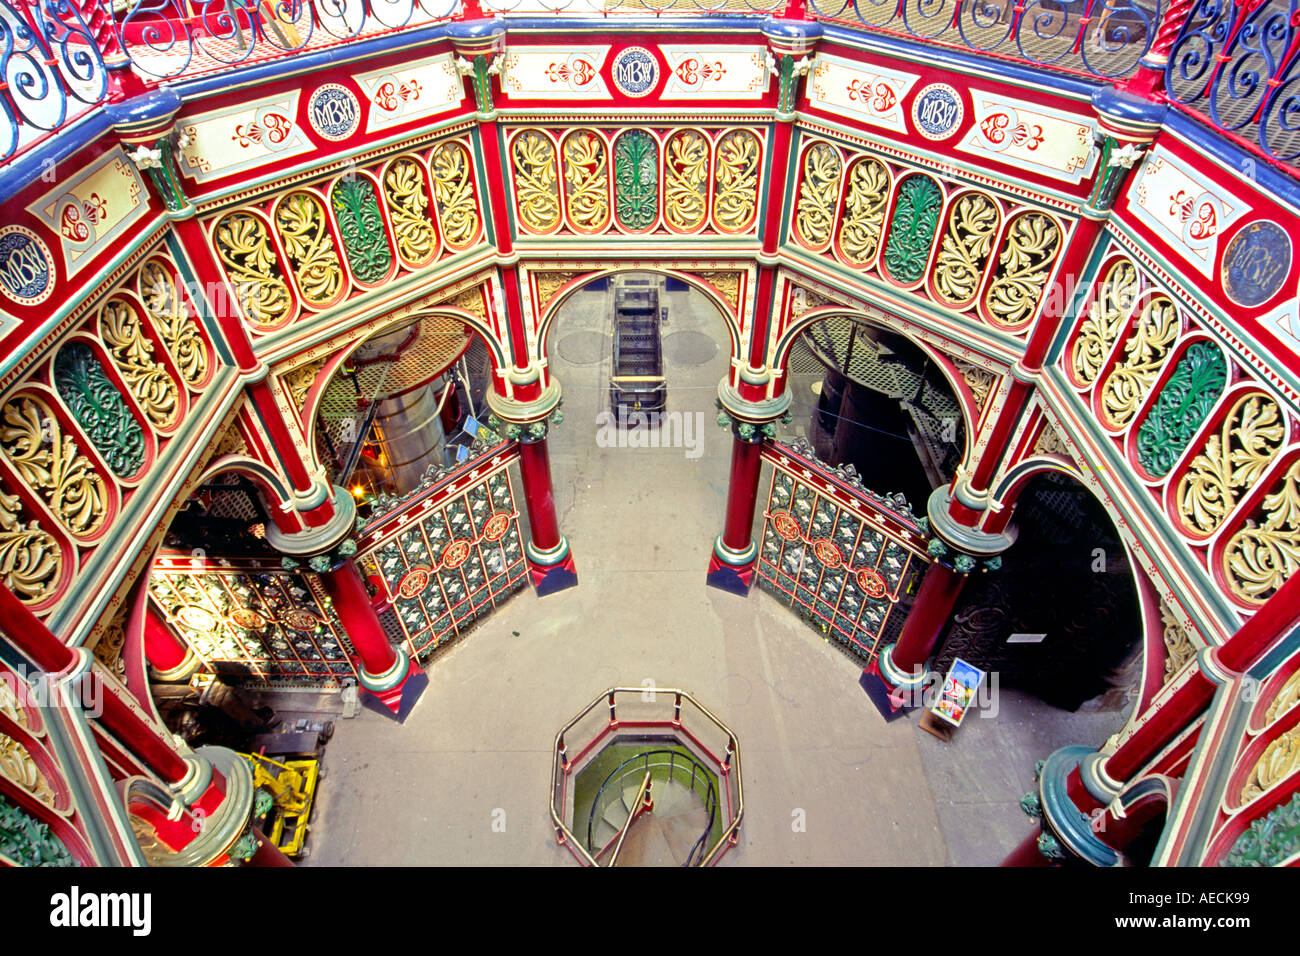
x: 167, y: 654
x: 384, y: 668
x: 30, y: 635
x: 934, y: 602
x: 742, y: 494
x: 1168, y: 717
x: 539, y: 494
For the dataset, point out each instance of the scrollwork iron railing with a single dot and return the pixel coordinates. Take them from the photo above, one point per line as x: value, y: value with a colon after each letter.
x: 1234, y: 65
x: 1103, y: 38
x: 1231, y: 63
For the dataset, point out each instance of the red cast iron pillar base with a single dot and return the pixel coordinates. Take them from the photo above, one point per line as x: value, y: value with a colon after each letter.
x: 384, y: 670
x: 896, y: 679
x: 170, y: 659
x: 752, y: 411
x: 526, y: 418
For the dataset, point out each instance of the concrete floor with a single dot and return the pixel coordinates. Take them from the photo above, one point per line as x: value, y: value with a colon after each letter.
x: 465, y: 780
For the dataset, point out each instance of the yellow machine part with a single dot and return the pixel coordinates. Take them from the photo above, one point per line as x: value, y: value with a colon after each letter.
x: 292, y: 785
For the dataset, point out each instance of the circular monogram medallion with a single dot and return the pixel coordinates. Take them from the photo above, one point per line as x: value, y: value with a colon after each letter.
x: 937, y: 111
x: 872, y: 584
x: 334, y: 112
x: 26, y: 270
x: 1256, y: 263
x: 636, y: 71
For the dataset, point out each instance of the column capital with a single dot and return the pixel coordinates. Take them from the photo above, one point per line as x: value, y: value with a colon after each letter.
x: 516, y: 412
x: 1062, y: 819
x: 968, y: 542
x: 752, y: 411
x: 326, y: 537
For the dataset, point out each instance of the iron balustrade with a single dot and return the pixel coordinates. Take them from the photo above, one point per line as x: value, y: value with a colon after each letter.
x: 698, y: 729
x: 1229, y: 64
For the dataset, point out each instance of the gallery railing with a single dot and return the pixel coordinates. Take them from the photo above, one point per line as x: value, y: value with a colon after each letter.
x: 1230, y: 62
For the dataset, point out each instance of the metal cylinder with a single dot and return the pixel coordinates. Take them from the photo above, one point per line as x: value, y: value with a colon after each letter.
x: 408, y: 429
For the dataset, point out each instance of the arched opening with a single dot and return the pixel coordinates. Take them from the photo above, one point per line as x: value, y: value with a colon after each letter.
x: 1060, y: 621
x: 871, y: 398
x: 650, y: 488
x: 402, y: 402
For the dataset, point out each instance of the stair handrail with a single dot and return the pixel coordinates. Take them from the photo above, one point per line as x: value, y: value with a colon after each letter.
x: 563, y: 762
x: 616, y: 775
x: 640, y: 804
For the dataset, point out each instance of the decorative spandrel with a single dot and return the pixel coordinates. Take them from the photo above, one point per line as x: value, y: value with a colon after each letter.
x: 636, y: 179
x: 361, y: 225
x: 912, y: 228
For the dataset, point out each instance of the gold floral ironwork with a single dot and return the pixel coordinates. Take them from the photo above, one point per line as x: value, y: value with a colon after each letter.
x: 30, y: 557
x: 549, y: 283
x: 108, y: 649
x: 1179, y: 648
x: 300, y: 380
x: 17, y: 765
x: 1028, y: 249
x: 1106, y: 317
x: 864, y: 211
x: 1144, y: 353
x: 537, y: 187
x: 300, y: 219
x: 1287, y: 697
x: 818, y: 193
x: 244, y: 246
x: 170, y: 316
x: 1280, y: 759
x: 453, y: 194
x: 1260, y: 557
x: 735, y: 188
x: 586, y: 177
x: 408, y: 207
x: 980, y: 381
x: 1231, y: 463
x: 964, y: 253
x: 51, y: 464
x: 686, y: 174
x: 150, y: 383
x: 727, y: 284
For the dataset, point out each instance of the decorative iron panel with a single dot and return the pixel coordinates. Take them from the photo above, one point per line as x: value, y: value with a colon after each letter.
x: 449, y: 553
x: 839, y: 555
x: 252, y: 619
